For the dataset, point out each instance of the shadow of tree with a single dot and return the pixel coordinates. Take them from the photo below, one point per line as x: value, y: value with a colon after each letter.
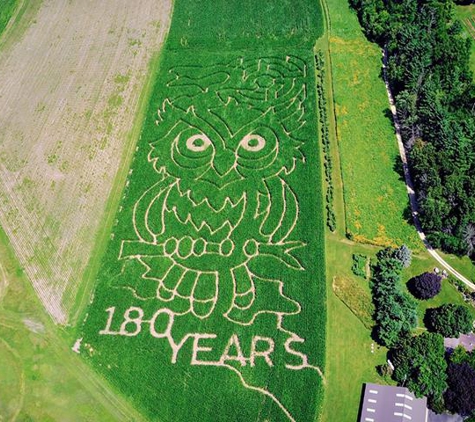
x: 411, y: 286
x: 389, y: 115
x: 407, y: 212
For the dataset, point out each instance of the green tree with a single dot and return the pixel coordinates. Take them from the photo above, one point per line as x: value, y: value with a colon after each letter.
x: 449, y: 320
x: 426, y: 285
x: 420, y: 365
x: 459, y: 355
x: 404, y: 254
x: 395, y: 312
x: 460, y: 396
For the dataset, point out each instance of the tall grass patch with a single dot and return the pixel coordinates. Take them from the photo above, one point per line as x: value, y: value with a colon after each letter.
x: 376, y: 202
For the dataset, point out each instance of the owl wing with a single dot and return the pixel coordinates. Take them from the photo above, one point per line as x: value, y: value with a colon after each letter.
x: 148, y: 213
x: 279, y: 223
x: 282, y: 213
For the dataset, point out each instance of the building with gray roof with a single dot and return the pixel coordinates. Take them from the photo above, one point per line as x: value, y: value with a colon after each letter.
x: 386, y: 403
x: 465, y: 340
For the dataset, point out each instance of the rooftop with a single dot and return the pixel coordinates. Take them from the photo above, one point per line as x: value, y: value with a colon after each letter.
x: 386, y: 403
x: 466, y: 340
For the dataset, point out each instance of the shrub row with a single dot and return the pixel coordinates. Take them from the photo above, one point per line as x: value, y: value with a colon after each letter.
x: 396, y: 311
x: 323, y: 120
x: 467, y: 294
x: 359, y: 265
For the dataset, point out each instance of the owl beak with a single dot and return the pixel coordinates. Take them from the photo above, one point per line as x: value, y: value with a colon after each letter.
x: 220, y: 181
x: 222, y: 171
x: 224, y: 162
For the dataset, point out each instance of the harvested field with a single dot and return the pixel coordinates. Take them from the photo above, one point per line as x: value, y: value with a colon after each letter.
x: 69, y: 95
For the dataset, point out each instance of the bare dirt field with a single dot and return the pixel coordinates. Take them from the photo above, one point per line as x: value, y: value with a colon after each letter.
x: 70, y: 86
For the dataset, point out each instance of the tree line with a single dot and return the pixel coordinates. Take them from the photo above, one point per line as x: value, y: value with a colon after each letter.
x: 429, y: 74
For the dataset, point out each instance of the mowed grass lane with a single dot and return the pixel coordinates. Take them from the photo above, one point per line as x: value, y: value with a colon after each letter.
x: 367, y: 153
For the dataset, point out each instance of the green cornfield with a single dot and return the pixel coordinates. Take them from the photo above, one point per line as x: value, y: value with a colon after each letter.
x: 210, y: 300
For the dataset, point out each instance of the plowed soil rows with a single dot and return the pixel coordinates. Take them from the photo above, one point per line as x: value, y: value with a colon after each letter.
x: 69, y: 94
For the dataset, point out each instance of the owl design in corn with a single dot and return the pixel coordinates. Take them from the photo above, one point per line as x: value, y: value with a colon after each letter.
x: 222, y: 212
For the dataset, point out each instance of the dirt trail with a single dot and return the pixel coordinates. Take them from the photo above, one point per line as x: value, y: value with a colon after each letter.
x: 69, y: 92
x: 410, y: 186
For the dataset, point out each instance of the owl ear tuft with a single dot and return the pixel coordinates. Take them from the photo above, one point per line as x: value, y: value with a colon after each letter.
x: 191, y: 110
x: 166, y: 107
x: 289, y: 167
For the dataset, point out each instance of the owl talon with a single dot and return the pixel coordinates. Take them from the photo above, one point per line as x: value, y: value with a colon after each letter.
x: 244, y: 301
x: 203, y: 309
x: 267, y: 297
x: 164, y: 294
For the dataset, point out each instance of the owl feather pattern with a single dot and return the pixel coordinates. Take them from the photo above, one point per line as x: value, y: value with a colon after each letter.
x: 223, y: 206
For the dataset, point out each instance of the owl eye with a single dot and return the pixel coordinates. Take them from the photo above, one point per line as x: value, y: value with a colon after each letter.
x: 253, y: 143
x: 198, y: 143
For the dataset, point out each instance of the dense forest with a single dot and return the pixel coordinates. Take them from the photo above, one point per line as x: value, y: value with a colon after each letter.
x: 428, y: 70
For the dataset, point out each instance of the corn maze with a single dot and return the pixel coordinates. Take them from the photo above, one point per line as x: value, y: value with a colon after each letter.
x: 222, y: 201
x: 210, y: 302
